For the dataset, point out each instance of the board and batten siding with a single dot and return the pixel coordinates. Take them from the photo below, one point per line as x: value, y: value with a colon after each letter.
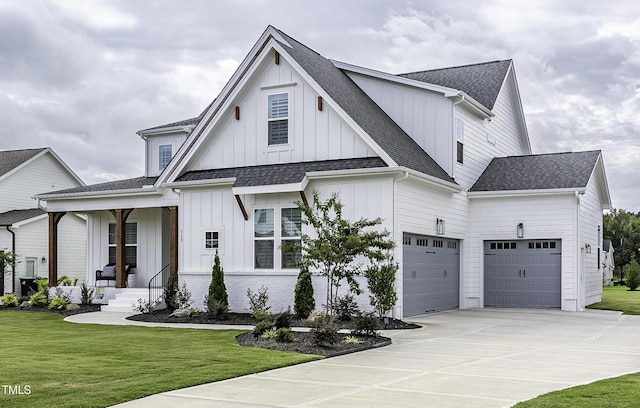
x: 152, y: 145
x: 215, y: 209
x: 39, y: 176
x: 480, y: 135
x: 418, y: 205
x: 590, y: 220
x: 424, y: 115
x: 543, y: 217
x: 313, y: 134
x: 150, y: 243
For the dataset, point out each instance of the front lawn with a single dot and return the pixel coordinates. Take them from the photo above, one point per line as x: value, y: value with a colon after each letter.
x: 619, y: 298
x: 613, y: 392
x: 76, y: 365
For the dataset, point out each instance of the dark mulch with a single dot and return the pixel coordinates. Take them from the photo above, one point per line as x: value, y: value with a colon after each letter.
x: 82, y: 309
x: 303, y: 341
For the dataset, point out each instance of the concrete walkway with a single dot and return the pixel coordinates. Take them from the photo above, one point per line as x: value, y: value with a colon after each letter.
x: 466, y: 358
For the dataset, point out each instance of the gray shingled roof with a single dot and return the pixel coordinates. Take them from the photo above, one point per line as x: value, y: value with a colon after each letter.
x: 536, y: 172
x: 367, y: 114
x: 11, y: 217
x: 185, y: 122
x: 480, y: 81
x: 10, y: 159
x: 128, y: 184
x: 274, y: 174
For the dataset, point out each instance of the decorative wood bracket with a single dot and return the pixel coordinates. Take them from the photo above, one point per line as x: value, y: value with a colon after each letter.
x: 319, y: 103
x: 244, y: 211
x: 303, y: 196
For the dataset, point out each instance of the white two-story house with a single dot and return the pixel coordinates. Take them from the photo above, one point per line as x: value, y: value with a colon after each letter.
x: 23, y: 224
x: 442, y: 156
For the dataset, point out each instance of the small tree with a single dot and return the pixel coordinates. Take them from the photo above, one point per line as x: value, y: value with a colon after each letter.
x: 170, y: 293
x: 304, y: 303
x: 6, y: 258
x: 380, y: 281
x: 341, y: 247
x: 217, y: 299
x: 632, y: 275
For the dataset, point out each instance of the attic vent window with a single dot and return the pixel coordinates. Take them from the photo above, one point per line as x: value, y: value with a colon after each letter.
x: 164, y: 156
x: 459, y: 141
x: 278, y: 118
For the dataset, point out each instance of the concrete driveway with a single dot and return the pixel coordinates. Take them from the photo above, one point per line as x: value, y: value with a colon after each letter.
x: 465, y: 358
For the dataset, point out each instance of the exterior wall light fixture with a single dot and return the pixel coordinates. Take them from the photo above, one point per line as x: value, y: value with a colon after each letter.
x: 520, y: 230
x: 440, y: 226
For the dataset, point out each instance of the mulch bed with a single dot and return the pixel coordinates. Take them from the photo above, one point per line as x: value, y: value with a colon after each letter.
x: 82, y: 309
x: 303, y: 341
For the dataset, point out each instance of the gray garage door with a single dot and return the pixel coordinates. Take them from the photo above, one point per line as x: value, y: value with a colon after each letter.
x: 523, y: 274
x: 431, y: 274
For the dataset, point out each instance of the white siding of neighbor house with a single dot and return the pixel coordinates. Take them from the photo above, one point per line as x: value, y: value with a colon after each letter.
x: 152, y: 152
x: 215, y: 209
x: 39, y: 176
x: 543, y: 217
x: 32, y: 242
x: 313, y: 134
x: 591, y: 218
x: 424, y: 115
x: 478, y: 151
x: 150, y: 243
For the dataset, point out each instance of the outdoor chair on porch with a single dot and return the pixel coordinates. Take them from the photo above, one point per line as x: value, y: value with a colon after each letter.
x: 108, y: 273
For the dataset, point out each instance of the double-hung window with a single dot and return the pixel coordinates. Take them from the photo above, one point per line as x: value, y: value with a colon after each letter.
x: 459, y: 141
x: 164, y: 155
x: 131, y: 243
x: 278, y: 118
x: 277, y: 248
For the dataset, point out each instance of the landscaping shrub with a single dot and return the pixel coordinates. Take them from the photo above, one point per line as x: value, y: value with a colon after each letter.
x: 38, y: 299
x: 344, y: 308
x: 86, y: 294
x: 325, y: 332
x: 304, y: 303
x: 258, y: 302
x: 143, y: 306
x: 351, y: 340
x: 217, y: 300
x: 169, y: 293
x: 283, y: 335
x: 632, y: 275
x: 64, y: 280
x: 366, y: 324
x: 61, y: 293
x: 380, y: 281
x: 9, y: 300
x: 283, y: 321
x: 58, y: 303
x: 263, y: 326
x: 183, y: 297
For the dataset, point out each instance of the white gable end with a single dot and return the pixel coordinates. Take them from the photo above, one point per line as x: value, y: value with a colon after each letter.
x: 240, y: 138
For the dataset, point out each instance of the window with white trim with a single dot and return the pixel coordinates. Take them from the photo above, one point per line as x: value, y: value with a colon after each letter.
x: 271, y: 243
x: 30, y: 266
x: 130, y: 241
x: 211, y: 240
x: 278, y: 118
x: 459, y: 141
x: 164, y: 156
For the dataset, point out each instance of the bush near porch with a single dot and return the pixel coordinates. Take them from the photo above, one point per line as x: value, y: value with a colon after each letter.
x: 73, y: 365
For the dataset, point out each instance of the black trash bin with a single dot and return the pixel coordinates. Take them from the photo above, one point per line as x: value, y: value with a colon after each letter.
x: 27, y: 285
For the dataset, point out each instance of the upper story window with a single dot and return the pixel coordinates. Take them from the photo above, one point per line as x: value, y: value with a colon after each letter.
x: 278, y: 118
x: 459, y: 141
x: 164, y: 155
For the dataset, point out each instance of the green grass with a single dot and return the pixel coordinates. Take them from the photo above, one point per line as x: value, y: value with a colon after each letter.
x: 619, y: 298
x: 77, y: 365
x: 613, y: 392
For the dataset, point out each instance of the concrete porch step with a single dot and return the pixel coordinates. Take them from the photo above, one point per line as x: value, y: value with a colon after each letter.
x: 125, y: 300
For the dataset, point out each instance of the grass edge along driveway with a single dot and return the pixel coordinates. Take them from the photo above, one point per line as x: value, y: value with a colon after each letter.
x: 77, y: 365
x: 616, y: 392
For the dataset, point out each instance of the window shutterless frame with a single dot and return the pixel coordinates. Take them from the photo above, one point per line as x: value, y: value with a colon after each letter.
x: 278, y: 118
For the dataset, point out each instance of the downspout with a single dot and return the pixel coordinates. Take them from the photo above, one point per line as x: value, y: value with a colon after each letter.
x: 395, y: 312
x: 580, y: 260
x: 13, y: 264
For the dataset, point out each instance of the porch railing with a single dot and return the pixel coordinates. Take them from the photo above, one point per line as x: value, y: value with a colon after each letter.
x: 157, y: 285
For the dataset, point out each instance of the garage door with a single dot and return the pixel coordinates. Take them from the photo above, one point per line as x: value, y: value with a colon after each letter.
x: 431, y: 274
x: 523, y: 274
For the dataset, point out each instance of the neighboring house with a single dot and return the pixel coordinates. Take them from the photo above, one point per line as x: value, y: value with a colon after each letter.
x: 608, y: 265
x: 442, y: 157
x: 24, y: 226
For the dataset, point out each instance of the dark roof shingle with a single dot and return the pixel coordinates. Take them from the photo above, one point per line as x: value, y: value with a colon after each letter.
x: 480, y: 81
x: 127, y: 184
x: 10, y: 159
x: 274, y: 174
x: 537, y: 172
x: 11, y: 217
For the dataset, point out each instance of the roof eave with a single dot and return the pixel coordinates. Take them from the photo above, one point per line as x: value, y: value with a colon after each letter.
x: 527, y: 193
x: 164, y: 130
x: 200, y: 183
x: 100, y: 194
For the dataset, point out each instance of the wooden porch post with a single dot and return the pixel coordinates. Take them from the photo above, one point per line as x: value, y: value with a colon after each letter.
x: 172, y: 212
x: 121, y: 218
x: 54, y: 219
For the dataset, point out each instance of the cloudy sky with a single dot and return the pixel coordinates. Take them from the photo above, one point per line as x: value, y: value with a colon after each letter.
x: 83, y: 76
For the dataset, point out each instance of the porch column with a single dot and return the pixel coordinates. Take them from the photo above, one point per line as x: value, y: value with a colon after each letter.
x: 121, y: 218
x: 54, y: 219
x: 172, y: 212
